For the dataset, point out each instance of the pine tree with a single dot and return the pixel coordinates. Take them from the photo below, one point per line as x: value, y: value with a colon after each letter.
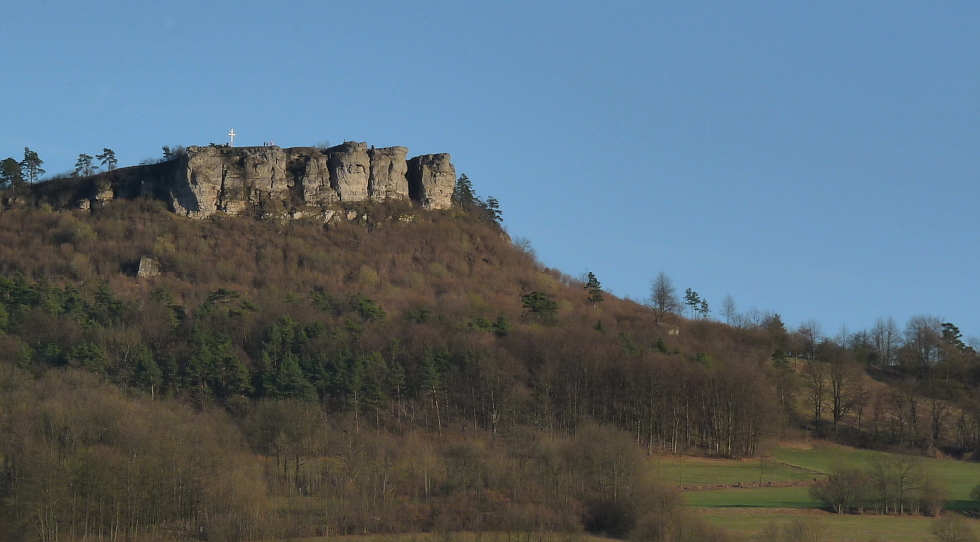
x: 491, y: 211
x: 11, y: 174
x: 83, y: 167
x: 463, y: 195
x: 693, y: 300
x: 539, y: 304
x: 107, y: 159
x: 147, y: 374
x: 31, y: 166
x: 290, y: 383
x: 703, y: 310
x: 595, y: 289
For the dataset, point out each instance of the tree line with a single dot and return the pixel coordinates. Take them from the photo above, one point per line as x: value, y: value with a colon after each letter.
x: 16, y: 173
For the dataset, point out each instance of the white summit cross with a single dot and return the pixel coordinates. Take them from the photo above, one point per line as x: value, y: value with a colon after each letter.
x: 231, y: 134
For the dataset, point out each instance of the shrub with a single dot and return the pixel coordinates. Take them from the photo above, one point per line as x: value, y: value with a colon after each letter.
x: 539, y: 304
x: 846, y: 490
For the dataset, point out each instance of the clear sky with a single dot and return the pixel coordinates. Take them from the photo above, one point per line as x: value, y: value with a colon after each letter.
x: 815, y: 159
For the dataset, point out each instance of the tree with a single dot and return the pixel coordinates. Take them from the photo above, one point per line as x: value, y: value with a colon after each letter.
x: 594, y: 288
x: 895, y: 477
x: 885, y: 338
x: 922, y: 341
x: 953, y: 352
x: 777, y: 331
x: 703, y: 309
x: 844, y: 379
x: 463, y: 194
x: 941, y: 395
x: 809, y: 333
x: 175, y: 152
x: 692, y: 300
x: 431, y: 383
x: 539, y: 304
x: 815, y: 378
x: 663, y: 297
x: 728, y: 309
x: 147, y: 374
x: 952, y: 529
x: 83, y: 167
x: 31, y: 166
x: 847, y: 489
x: 951, y: 335
x: 107, y: 159
x: 491, y: 210
x: 11, y: 174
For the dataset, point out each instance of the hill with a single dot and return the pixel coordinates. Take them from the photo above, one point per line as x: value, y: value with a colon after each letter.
x: 401, y: 370
x: 372, y: 375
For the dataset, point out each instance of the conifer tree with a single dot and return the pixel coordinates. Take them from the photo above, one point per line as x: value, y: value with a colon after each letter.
x: 703, y: 309
x: 491, y: 211
x: 11, y: 174
x: 83, y: 167
x: 595, y: 289
x: 107, y: 159
x: 463, y: 194
x: 147, y: 374
x: 31, y: 166
x: 693, y: 300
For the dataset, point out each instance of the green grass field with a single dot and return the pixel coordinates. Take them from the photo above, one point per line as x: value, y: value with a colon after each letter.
x: 747, y: 510
x: 804, y: 463
x: 694, y: 471
x: 749, y: 523
x: 769, y: 497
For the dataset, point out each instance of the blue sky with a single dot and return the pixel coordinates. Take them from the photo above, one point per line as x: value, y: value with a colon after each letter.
x: 815, y: 159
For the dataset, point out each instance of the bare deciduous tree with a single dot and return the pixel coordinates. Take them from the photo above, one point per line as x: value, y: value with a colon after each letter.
x: 663, y: 297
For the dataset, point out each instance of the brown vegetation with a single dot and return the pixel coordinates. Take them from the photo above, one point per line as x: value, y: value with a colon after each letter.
x: 409, y: 371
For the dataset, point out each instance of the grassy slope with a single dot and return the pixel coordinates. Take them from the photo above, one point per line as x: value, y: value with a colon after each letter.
x: 748, y: 510
x: 834, y: 527
x: 696, y: 471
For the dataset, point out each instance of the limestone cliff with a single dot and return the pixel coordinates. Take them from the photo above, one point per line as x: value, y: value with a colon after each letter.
x: 431, y: 179
x: 266, y: 180
x: 236, y: 180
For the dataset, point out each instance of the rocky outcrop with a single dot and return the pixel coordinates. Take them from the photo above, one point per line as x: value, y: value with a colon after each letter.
x: 350, y: 169
x: 238, y: 180
x: 148, y: 268
x: 262, y: 181
x: 431, y: 179
x: 227, y: 179
x: 388, y: 173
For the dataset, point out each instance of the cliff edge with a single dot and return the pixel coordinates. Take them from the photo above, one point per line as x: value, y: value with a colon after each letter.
x: 263, y: 181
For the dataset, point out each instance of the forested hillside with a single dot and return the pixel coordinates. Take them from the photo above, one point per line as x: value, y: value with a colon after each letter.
x: 405, y: 371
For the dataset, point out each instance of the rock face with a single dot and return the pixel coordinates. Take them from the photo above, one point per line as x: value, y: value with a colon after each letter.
x: 238, y: 180
x: 148, y: 268
x: 431, y: 179
x: 388, y: 170
x: 299, y: 182
x: 226, y: 179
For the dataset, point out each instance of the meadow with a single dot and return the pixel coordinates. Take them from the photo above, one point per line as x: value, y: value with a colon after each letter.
x: 750, y: 523
x: 746, y: 496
